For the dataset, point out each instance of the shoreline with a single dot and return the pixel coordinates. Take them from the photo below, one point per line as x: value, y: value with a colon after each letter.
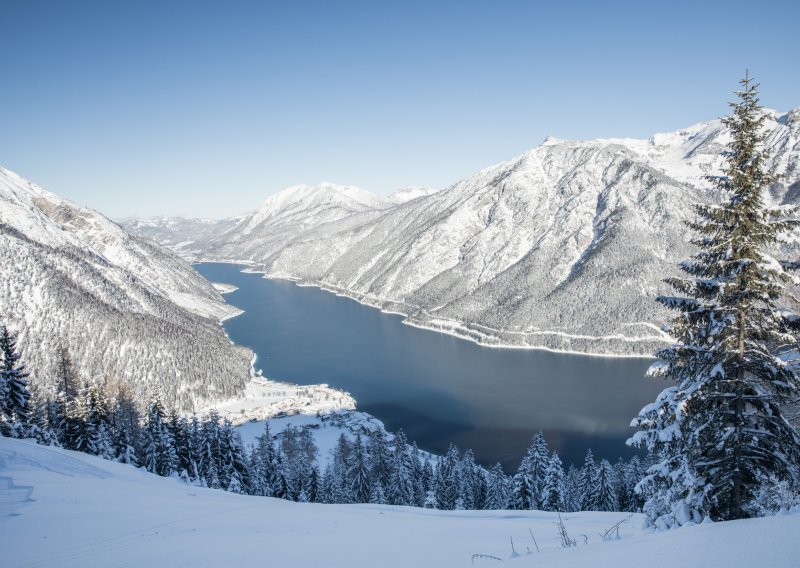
x: 454, y: 328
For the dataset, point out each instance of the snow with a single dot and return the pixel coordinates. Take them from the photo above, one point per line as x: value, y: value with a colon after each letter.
x: 326, y: 428
x: 408, y: 194
x: 224, y: 288
x: 122, y: 304
x: 561, y: 247
x: 263, y: 399
x: 83, y: 511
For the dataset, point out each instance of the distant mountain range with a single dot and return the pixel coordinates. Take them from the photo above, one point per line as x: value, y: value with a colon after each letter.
x: 564, y: 247
x: 125, y: 308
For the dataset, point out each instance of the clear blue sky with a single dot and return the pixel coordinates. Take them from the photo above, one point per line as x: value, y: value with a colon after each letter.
x: 205, y: 108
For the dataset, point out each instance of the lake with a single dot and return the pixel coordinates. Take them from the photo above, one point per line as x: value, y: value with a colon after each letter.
x: 439, y: 389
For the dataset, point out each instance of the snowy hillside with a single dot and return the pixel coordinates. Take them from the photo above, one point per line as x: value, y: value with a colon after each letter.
x: 62, y: 508
x: 183, y: 235
x: 563, y: 247
x: 124, y: 307
x: 407, y: 194
x: 287, y: 214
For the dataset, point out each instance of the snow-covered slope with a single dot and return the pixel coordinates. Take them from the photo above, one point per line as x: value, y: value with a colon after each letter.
x: 407, y: 194
x: 563, y: 247
x: 62, y: 508
x: 124, y: 307
x: 183, y: 235
x: 287, y: 214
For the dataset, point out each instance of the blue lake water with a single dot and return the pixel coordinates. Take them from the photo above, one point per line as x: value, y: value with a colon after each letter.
x: 439, y: 389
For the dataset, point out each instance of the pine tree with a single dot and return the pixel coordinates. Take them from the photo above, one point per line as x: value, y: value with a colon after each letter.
x: 418, y: 476
x: 377, y: 496
x: 158, y: 446
x: 14, y: 394
x: 635, y: 471
x: 312, y: 488
x: 264, y: 470
x: 472, y: 482
x: 721, y: 430
x: 447, y: 484
x: 554, y: 491
x: 606, y: 493
x: 340, y: 487
x: 379, y: 459
x: 572, y: 490
x: 63, y: 416
x: 588, y: 488
x: 233, y: 459
x: 358, y: 473
x: 497, y: 495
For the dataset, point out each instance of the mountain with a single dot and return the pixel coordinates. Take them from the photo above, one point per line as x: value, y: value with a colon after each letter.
x: 181, y: 234
x: 287, y: 214
x: 563, y: 247
x: 125, y: 307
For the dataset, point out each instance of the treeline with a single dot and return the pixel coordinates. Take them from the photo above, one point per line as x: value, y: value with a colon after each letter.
x: 372, y: 467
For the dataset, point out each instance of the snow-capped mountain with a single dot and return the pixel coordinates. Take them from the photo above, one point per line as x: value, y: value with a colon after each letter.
x: 288, y: 214
x: 125, y: 307
x: 563, y: 247
x: 181, y: 234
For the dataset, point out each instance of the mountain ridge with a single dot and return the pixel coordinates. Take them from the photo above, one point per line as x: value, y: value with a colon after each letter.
x: 126, y: 308
x: 562, y: 247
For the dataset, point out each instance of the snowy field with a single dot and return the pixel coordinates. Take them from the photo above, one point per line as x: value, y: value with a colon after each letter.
x: 62, y: 508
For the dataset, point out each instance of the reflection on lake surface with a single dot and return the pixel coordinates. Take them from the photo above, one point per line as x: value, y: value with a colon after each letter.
x: 438, y: 388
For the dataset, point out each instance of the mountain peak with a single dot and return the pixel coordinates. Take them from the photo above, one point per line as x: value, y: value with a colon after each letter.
x: 551, y: 140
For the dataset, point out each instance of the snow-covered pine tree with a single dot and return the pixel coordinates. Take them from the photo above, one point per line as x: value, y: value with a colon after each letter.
x: 377, y: 496
x: 721, y: 430
x: 554, y: 490
x: 264, y: 470
x: 572, y: 493
x: 606, y: 492
x: 447, y: 483
x: 522, y: 486
x: 39, y: 427
x: 635, y: 471
x: 622, y: 486
x: 358, y: 472
x: 418, y: 476
x: 588, y: 489
x: 158, y: 447
x: 497, y: 493
x: 63, y: 415
x: 236, y: 471
x: 430, y: 500
x: 313, y: 484
x: 210, y: 446
x: 400, y: 489
x: 340, y: 487
x: 124, y: 449
x: 283, y: 483
x: 97, y: 426
x: 14, y: 394
x: 472, y: 482
x: 426, y: 482
x: 379, y: 459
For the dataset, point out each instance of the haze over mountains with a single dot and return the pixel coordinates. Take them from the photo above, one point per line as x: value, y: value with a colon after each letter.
x: 125, y: 308
x: 563, y: 247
